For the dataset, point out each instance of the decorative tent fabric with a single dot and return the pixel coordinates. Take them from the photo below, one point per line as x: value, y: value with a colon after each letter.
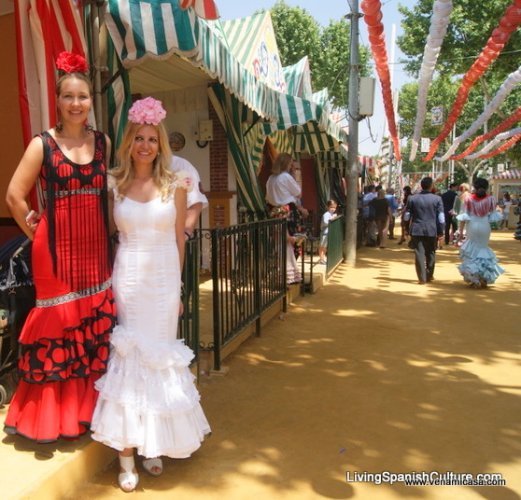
x: 298, y: 79
x: 230, y: 112
x: 513, y: 173
x: 44, y: 28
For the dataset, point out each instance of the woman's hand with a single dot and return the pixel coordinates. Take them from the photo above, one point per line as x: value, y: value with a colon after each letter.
x: 32, y: 220
x: 181, y: 308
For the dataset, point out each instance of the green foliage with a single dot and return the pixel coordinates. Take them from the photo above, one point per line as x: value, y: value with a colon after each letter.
x: 471, y: 25
x: 299, y: 35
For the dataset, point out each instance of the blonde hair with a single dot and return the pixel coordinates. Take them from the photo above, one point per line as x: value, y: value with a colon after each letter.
x: 281, y: 163
x: 162, y: 173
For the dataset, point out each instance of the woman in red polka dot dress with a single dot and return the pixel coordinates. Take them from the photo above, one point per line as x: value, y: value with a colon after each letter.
x: 65, y: 340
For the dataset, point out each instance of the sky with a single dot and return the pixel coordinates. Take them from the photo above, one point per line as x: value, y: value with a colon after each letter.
x: 324, y: 11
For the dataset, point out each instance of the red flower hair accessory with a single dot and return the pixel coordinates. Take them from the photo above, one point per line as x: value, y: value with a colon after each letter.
x: 71, y: 63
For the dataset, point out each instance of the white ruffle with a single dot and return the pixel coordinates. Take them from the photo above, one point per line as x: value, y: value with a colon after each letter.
x: 495, y: 217
x: 463, y: 217
x: 478, y: 263
x: 156, y: 355
x: 148, y: 400
x: 183, y: 180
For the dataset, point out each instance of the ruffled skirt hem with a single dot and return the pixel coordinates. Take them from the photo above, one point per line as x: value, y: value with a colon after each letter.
x: 148, y: 399
x: 478, y: 264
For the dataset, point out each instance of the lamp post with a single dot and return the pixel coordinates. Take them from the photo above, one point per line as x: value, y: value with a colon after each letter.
x: 352, y: 152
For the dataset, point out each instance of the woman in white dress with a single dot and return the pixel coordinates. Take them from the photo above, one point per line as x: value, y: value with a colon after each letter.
x: 283, y: 197
x: 479, y: 265
x: 147, y: 399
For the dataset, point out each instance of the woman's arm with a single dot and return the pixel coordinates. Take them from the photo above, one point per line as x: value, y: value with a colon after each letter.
x: 23, y: 180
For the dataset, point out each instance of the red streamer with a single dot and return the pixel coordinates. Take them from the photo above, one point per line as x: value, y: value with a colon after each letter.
x: 500, y: 36
x: 373, y: 18
x: 507, y: 145
x: 489, y: 135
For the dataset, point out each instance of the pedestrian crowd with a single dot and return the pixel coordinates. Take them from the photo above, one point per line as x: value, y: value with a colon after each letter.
x: 462, y: 216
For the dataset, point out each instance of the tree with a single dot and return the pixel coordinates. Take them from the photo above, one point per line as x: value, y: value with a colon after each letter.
x: 298, y: 35
x: 332, y: 65
x: 471, y: 25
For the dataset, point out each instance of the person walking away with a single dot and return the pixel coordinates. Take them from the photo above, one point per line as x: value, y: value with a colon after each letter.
x: 459, y: 201
x: 393, y: 204
x: 506, y: 204
x: 382, y: 215
x: 404, y: 224
x: 448, y: 198
x: 328, y: 216
x: 479, y: 265
x: 65, y: 340
x: 147, y: 399
x: 427, y: 221
x: 368, y: 216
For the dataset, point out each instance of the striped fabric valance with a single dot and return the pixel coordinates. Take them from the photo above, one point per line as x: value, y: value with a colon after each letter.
x: 141, y: 29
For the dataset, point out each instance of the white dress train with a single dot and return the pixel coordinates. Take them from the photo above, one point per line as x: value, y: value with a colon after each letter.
x: 148, y: 399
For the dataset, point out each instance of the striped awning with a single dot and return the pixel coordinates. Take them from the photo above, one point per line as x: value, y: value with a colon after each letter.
x: 298, y: 79
x: 513, y: 173
x: 142, y: 29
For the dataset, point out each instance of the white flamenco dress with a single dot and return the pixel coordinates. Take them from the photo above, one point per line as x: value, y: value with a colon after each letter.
x: 479, y: 263
x: 148, y: 399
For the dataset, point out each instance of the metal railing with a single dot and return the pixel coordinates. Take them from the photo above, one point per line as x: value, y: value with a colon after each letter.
x: 189, y: 321
x: 248, y: 263
x: 335, y: 242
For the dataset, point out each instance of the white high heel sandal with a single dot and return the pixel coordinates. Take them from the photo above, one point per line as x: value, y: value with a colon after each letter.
x: 129, y: 478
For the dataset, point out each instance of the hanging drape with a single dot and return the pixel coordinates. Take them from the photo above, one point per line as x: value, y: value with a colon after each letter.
x: 44, y: 28
x: 231, y: 112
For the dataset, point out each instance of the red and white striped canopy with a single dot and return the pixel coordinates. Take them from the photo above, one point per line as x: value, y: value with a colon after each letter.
x: 513, y: 173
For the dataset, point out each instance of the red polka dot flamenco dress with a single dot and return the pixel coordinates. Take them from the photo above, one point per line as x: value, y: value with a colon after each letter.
x: 65, y: 340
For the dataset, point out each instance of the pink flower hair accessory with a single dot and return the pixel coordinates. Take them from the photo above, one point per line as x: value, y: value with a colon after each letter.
x: 147, y: 111
x: 69, y: 62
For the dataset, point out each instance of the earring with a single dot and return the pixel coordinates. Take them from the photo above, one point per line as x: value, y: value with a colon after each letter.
x: 58, y: 127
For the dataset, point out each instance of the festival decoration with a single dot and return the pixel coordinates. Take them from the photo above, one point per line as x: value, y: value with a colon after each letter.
x: 437, y: 31
x: 515, y: 117
x: 510, y: 134
x: 500, y: 36
x: 508, y: 85
x: 205, y: 9
x: 373, y: 19
x: 510, y: 143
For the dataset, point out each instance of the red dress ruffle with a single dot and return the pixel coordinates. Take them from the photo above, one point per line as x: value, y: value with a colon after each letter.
x: 65, y: 340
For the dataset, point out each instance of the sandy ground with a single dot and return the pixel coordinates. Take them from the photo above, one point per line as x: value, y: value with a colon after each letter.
x: 373, y: 373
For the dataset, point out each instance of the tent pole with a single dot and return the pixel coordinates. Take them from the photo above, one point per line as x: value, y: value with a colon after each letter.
x: 95, y: 30
x: 352, y: 151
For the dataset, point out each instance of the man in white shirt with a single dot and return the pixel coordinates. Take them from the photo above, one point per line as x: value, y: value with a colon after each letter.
x: 196, y: 200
